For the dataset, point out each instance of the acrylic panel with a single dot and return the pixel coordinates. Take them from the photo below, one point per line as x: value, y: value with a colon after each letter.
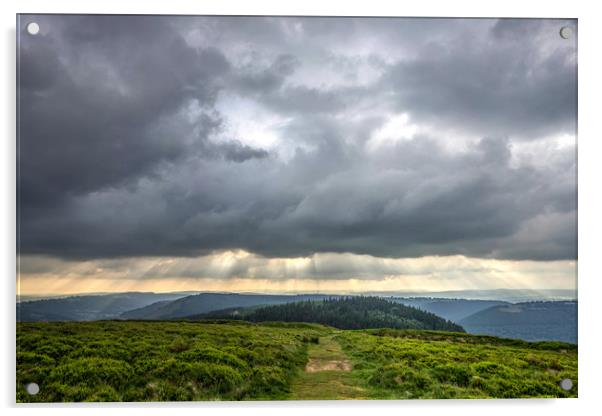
x: 295, y: 208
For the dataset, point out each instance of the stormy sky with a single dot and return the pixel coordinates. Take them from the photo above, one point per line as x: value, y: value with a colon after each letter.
x: 273, y: 153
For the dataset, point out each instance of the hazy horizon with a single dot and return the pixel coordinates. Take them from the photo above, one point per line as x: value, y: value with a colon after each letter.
x: 506, y: 295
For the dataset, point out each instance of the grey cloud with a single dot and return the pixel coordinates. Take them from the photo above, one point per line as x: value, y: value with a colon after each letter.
x: 92, y: 120
x: 119, y: 153
x: 235, y: 151
x: 513, y: 77
x: 503, y: 90
x: 266, y: 79
x: 518, y: 29
x: 468, y: 204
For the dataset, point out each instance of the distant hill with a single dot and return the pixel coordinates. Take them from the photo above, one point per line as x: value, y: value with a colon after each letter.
x: 29, y: 298
x: 358, y: 312
x: 207, y: 302
x: 87, y: 308
x: 505, y: 295
x: 530, y: 321
x: 453, y: 309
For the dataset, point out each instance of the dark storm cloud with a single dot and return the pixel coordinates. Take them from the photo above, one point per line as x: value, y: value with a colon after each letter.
x: 94, y: 119
x: 125, y: 147
x: 234, y: 151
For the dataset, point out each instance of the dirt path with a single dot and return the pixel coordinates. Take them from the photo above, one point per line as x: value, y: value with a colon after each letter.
x: 327, y: 374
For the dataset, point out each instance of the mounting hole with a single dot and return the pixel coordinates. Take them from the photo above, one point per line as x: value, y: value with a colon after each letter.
x: 566, y: 384
x: 33, y: 28
x: 566, y: 32
x: 32, y: 388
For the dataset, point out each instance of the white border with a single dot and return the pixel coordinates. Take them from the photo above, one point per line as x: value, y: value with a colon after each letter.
x: 590, y: 207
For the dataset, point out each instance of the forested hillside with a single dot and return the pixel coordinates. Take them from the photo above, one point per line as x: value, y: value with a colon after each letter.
x: 359, y: 312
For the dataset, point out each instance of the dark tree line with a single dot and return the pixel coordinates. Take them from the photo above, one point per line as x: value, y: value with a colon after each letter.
x: 355, y: 312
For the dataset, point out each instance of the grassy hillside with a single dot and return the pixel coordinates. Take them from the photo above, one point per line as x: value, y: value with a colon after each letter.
x: 438, y: 365
x: 143, y: 361
x: 358, y: 312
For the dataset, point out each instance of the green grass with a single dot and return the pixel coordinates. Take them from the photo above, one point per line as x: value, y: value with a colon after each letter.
x: 327, y: 385
x: 173, y: 361
x: 399, y: 364
x: 159, y: 361
x: 326, y: 350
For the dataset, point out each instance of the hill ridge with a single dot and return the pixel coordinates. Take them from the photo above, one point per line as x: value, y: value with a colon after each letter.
x: 354, y: 312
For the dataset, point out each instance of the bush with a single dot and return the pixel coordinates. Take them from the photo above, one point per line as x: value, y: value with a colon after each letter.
x: 212, y: 355
x: 92, y: 372
x: 104, y: 394
x: 245, y: 354
x: 488, y: 369
x: 396, y: 376
x: 452, y: 373
x: 216, y: 376
x: 180, y: 345
x: 268, y: 380
x: 33, y: 359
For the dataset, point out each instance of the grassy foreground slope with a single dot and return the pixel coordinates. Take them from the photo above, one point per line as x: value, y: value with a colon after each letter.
x: 161, y: 361
x: 407, y: 364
